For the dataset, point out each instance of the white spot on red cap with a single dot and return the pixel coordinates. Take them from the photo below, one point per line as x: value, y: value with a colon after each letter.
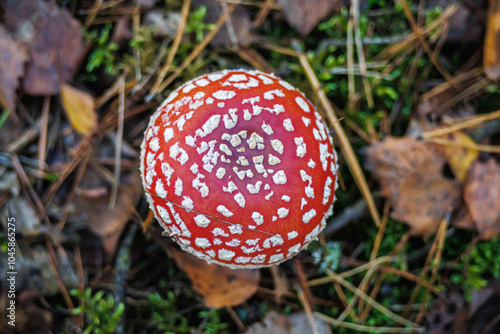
x: 160, y: 189
x: 277, y: 145
x: 168, y: 134
x: 201, y: 220
x: 301, y: 146
x: 224, y: 94
x: 292, y: 234
x: 225, y: 211
x: 306, y: 218
x: 225, y: 254
x: 287, y: 124
x: 302, y: 104
x: 275, y: 258
x: 270, y: 94
x: 327, y: 191
x: 257, y: 218
x: 202, y: 242
x: 279, y: 177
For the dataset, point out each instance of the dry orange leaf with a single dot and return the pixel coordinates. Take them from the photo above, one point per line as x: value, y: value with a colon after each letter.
x: 409, y: 172
x: 459, y: 157
x: 80, y: 108
x: 103, y: 221
x: 295, y: 323
x: 491, y: 56
x: 482, y: 196
x: 54, y: 39
x: 221, y: 286
x: 12, y: 59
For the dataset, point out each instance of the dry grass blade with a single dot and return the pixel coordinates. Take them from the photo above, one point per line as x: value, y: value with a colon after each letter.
x: 468, y: 123
x: 208, y: 37
x: 361, y: 54
x: 368, y: 329
x: 477, y: 147
x: 119, y: 141
x: 175, y: 46
x: 372, y: 302
x: 440, y: 237
x: 345, y: 145
x: 307, y: 308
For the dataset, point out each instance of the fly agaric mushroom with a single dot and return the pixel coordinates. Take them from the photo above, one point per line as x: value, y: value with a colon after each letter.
x: 239, y: 169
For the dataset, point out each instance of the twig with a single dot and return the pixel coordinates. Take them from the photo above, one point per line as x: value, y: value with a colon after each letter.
x: 123, y: 261
x: 307, y: 308
x: 264, y: 10
x: 477, y: 120
x: 229, y: 25
x: 118, y: 146
x: 197, y: 50
x: 463, y: 144
x: 361, y: 54
x: 175, y: 46
x: 368, y: 329
x: 372, y: 302
x: 345, y: 145
x: 350, y: 214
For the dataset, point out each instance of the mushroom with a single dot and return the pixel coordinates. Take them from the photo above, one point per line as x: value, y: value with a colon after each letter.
x: 239, y: 168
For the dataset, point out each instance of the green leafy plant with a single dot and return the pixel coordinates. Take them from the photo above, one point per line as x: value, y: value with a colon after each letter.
x: 195, y: 23
x: 102, y: 315
x: 477, y: 266
x: 103, y: 52
x: 165, y: 317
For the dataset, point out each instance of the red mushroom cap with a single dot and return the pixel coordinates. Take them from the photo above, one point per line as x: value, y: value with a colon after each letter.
x: 239, y: 169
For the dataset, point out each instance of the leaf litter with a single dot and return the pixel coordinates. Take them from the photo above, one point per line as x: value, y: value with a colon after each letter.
x: 422, y: 178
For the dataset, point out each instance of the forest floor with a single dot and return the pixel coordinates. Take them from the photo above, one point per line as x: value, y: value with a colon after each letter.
x: 410, y: 93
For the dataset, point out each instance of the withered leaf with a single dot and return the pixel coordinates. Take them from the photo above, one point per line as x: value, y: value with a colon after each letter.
x: 482, y: 194
x: 80, y: 108
x: 304, y: 15
x: 103, y: 221
x: 220, y: 286
x: 460, y: 158
x: 409, y: 172
x: 491, y: 55
x: 12, y: 59
x: 240, y: 19
x: 54, y: 40
x: 295, y: 323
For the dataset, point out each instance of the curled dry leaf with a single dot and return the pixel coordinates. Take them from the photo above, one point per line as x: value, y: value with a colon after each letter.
x: 80, y: 108
x: 12, y: 59
x: 240, y: 19
x: 409, y: 172
x: 304, y: 15
x: 491, y: 56
x: 219, y: 285
x: 482, y: 193
x: 54, y: 40
x: 295, y: 323
x: 460, y: 158
x: 105, y: 222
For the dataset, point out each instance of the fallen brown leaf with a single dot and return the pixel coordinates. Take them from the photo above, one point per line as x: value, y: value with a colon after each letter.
x: 54, y: 40
x: 240, y: 19
x: 80, y: 108
x: 491, y: 55
x: 409, y: 172
x: 482, y: 194
x: 295, y: 323
x: 220, y: 286
x: 103, y: 221
x: 459, y: 157
x: 304, y: 15
x: 12, y: 59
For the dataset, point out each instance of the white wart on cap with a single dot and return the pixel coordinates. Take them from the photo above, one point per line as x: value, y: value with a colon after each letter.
x: 239, y: 169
